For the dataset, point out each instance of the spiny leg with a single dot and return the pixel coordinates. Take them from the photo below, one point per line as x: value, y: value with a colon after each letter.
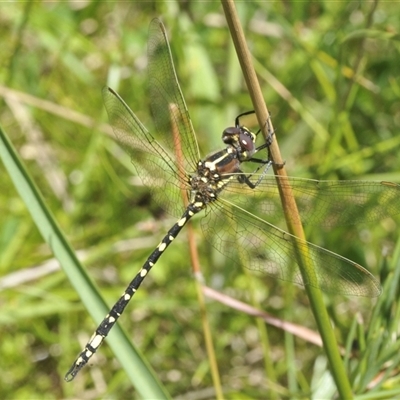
x: 111, y: 318
x: 265, y: 164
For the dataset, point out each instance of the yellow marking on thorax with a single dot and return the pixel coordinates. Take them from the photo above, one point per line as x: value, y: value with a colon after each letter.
x: 211, y: 164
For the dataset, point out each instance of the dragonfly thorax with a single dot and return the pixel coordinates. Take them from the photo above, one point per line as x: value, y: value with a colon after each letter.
x: 214, y: 173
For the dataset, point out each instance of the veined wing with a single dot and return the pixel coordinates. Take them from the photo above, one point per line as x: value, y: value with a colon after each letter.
x: 165, y: 93
x: 324, y: 203
x: 261, y: 246
x: 154, y: 165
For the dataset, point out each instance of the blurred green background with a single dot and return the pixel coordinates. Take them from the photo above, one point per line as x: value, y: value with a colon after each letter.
x: 330, y: 77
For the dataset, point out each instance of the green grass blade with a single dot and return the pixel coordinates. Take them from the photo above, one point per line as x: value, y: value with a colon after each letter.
x: 137, y: 369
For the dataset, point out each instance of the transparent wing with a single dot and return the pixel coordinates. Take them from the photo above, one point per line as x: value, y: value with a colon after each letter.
x: 157, y: 162
x: 154, y: 165
x: 263, y: 247
x: 324, y: 203
x: 166, y: 99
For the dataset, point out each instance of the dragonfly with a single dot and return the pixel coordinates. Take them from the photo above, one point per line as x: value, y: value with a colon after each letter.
x: 238, y: 206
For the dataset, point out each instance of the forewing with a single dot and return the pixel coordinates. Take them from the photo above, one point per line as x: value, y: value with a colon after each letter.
x: 166, y: 99
x: 323, y: 203
x: 154, y: 165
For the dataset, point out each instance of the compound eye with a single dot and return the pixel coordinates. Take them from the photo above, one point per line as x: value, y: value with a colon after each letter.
x: 246, y: 142
x: 230, y: 135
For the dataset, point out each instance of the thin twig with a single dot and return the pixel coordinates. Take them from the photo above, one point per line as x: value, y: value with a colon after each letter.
x: 289, y: 206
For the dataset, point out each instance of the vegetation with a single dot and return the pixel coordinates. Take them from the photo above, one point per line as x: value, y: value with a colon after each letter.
x: 329, y: 74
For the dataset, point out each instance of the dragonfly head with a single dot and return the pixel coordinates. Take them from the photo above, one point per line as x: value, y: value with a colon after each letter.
x: 241, y: 139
